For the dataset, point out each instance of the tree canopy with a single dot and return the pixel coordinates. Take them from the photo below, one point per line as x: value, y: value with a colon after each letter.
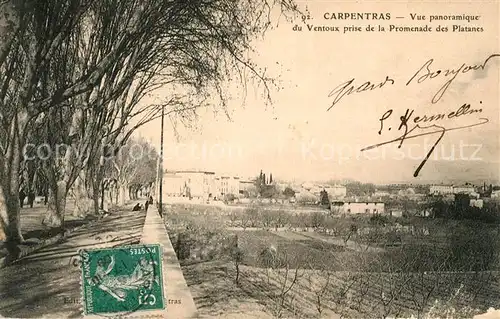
x: 77, y: 79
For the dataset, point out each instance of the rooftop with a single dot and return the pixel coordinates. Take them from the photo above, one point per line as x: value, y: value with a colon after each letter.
x: 191, y: 172
x: 353, y: 202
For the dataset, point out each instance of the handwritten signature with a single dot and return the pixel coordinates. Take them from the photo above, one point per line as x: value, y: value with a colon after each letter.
x: 413, y: 132
x: 348, y: 88
x: 424, y: 73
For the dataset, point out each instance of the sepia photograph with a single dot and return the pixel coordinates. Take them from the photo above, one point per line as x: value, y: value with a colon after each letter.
x: 250, y: 159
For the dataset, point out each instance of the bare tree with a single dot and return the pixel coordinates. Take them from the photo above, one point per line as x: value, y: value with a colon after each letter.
x: 287, y: 279
x: 267, y: 218
x: 237, y: 255
x: 425, y: 284
x: 129, y: 166
x: 268, y: 258
x: 364, y: 283
x: 391, y: 286
x: 351, y: 231
x: 282, y: 218
x: 235, y: 216
x: 318, y: 220
x: 319, y: 283
x: 251, y: 216
x: 33, y: 32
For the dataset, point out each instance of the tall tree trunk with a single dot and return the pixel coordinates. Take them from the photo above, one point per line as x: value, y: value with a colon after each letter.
x: 95, y: 197
x: 111, y: 193
x: 10, y: 161
x: 10, y: 165
x: 97, y: 180
x: 122, y: 194
x: 103, y: 195
x: 60, y: 188
x: 116, y: 193
x: 83, y: 204
x: 57, y: 206
x: 32, y: 181
x: 10, y: 222
x: 3, y: 217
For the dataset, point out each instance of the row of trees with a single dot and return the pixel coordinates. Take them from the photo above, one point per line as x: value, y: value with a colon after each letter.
x: 461, y: 209
x: 77, y: 78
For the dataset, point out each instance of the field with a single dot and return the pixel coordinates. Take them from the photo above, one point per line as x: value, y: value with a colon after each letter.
x: 290, y: 273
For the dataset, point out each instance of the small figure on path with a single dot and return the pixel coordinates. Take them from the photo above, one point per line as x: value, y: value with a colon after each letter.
x: 146, y: 205
x: 31, y: 199
x: 22, y: 196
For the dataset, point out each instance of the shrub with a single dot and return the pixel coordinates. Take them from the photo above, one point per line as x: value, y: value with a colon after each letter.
x: 379, y: 220
x: 393, y: 239
x: 317, y: 220
x: 229, y: 198
x: 183, y: 246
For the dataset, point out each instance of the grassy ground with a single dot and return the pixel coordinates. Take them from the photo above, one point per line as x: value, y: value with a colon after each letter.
x: 216, y: 295
x: 33, y: 230
x: 258, y: 293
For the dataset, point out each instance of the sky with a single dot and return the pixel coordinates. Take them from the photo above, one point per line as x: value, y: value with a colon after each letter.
x: 297, y: 137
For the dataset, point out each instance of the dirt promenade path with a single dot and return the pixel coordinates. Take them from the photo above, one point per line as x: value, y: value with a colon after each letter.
x: 46, y: 284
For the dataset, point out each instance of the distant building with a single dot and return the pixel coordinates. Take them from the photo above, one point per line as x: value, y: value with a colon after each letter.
x: 485, y: 191
x: 396, y: 213
x: 306, y: 197
x: 200, y: 184
x: 495, y: 194
x: 355, y: 208
x: 246, y: 185
x: 381, y: 194
x: 406, y: 192
x: 228, y: 185
x: 307, y: 186
x: 234, y: 185
x: 197, y: 184
x: 451, y: 189
x: 464, y: 189
x: 173, y: 185
x: 441, y: 189
x: 476, y: 203
x: 335, y: 192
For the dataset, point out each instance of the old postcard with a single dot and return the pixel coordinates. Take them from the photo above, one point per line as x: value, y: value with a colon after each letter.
x: 249, y: 159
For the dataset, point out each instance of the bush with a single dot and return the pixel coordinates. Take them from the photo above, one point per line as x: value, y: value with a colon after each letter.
x: 393, y: 239
x: 379, y: 220
x: 229, y: 198
x: 473, y: 249
x: 183, y: 246
x: 460, y: 210
x: 317, y: 220
x: 289, y: 192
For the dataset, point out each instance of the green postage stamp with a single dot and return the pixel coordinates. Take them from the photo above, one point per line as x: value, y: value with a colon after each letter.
x: 122, y: 280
